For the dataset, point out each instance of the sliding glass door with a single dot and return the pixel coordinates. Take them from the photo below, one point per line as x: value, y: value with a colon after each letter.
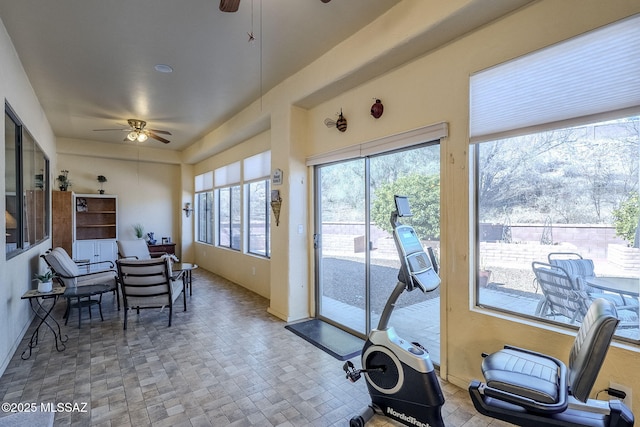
x: 356, y: 259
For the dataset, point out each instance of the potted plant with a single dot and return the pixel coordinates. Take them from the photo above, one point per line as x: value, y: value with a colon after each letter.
x: 63, y: 180
x: 484, y: 274
x: 45, y: 281
x: 101, y: 179
x: 138, y: 229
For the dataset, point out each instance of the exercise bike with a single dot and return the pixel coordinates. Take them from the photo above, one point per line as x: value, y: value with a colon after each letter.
x: 400, y: 375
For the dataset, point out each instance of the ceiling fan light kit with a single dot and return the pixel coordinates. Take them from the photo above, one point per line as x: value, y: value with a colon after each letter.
x: 137, y: 132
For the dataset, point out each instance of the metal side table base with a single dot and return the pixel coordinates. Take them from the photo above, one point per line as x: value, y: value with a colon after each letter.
x: 36, y: 302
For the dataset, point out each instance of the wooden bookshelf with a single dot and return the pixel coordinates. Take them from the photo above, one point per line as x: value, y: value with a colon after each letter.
x: 96, y: 217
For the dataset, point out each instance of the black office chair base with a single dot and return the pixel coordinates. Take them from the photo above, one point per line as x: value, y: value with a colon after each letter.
x: 598, y: 414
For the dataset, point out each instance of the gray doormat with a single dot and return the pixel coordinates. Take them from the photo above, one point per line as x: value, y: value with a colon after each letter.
x: 338, y: 343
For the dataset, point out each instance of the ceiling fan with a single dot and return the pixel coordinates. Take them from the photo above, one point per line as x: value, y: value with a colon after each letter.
x: 232, y: 5
x: 137, y: 132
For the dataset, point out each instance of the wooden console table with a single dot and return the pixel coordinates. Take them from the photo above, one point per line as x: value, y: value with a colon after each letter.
x: 161, y: 249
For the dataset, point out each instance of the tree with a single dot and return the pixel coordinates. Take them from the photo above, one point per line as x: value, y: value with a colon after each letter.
x: 625, y: 219
x: 423, y: 192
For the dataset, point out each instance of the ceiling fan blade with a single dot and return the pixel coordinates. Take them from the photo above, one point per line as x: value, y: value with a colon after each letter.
x: 163, y: 132
x: 159, y: 138
x: 98, y: 130
x: 229, y: 5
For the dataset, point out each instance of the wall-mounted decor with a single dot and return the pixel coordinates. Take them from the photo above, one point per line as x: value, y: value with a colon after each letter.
x: 340, y: 124
x: 377, y: 109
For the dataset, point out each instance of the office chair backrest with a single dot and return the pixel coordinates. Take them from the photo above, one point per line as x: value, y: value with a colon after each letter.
x: 590, y: 347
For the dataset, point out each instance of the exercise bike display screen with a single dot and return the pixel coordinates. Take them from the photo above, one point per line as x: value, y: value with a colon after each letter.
x: 416, y: 260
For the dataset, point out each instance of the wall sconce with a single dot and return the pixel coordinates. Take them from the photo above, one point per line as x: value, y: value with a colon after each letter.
x: 187, y: 209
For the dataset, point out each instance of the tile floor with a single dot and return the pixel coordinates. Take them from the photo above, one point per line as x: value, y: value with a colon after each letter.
x: 225, y: 361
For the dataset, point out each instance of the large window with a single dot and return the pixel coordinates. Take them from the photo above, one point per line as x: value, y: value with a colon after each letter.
x: 256, y: 172
x: 229, y: 208
x: 229, y: 217
x: 557, y: 171
x: 26, y: 188
x: 204, y: 207
x: 258, y: 217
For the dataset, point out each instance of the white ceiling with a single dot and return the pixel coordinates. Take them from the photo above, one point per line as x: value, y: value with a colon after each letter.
x: 91, y: 62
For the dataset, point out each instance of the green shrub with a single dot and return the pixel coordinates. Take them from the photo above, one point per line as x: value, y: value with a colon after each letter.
x: 423, y: 192
x: 625, y: 219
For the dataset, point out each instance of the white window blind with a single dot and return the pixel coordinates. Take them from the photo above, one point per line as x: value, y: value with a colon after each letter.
x: 204, y: 181
x: 591, y: 75
x: 227, y: 175
x: 382, y: 145
x: 258, y: 166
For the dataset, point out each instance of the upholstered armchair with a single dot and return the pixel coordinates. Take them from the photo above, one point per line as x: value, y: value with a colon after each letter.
x: 148, y: 283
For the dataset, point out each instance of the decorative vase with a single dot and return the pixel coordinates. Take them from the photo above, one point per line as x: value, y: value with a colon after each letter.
x: 45, y: 286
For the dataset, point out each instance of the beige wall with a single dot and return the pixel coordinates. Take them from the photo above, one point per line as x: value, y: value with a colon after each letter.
x: 252, y: 272
x: 149, y: 187
x: 16, y: 274
x: 432, y: 88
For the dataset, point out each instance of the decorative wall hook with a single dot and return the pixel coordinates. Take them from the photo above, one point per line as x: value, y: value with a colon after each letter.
x: 187, y: 209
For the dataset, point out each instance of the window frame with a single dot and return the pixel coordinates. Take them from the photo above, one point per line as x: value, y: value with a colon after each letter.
x: 204, y: 216
x: 511, y: 100
x: 32, y: 207
x: 267, y: 216
x: 233, y: 244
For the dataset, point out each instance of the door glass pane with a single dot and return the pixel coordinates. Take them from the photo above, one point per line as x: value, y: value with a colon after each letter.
x: 341, y: 257
x: 416, y: 174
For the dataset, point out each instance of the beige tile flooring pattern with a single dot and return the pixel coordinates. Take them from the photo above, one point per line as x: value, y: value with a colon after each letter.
x: 225, y: 361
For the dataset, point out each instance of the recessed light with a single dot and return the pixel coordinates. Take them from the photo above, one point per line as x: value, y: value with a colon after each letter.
x: 163, y: 68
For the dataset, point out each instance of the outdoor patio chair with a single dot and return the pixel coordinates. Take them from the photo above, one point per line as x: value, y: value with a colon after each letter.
x: 148, y: 284
x: 68, y: 272
x: 561, y: 295
x: 580, y: 270
x: 136, y: 249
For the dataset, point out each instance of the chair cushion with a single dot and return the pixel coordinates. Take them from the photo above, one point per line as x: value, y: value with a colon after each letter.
x: 103, y: 278
x: 152, y: 277
x: 523, y: 374
x: 63, y: 265
x: 133, y: 249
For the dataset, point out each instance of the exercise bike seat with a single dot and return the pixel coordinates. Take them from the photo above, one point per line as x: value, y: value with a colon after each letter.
x: 542, y: 384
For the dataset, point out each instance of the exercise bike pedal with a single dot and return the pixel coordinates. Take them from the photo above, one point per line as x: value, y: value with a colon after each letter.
x: 353, y: 374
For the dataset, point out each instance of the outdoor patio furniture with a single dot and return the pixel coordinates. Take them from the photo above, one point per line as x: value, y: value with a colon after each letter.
x: 561, y: 295
x: 564, y: 296
x: 68, y: 271
x: 148, y: 284
x: 581, y: 271
x: 136, y: 249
